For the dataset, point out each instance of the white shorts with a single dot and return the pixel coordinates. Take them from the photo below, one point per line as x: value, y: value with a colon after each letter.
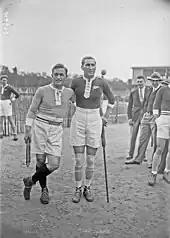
x: 86, y: 128
x: 163, y: 126
x: 5, y: 108
x: 46, y: 138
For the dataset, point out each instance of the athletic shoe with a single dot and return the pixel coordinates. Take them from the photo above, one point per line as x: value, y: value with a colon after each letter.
x: 15, y: 137
x: 77, y: 195
x: 166, y: 176
x: 88, y: 194
x: 45, y: 196
x: 149, y: 166
x: 28, y: 185
x: 152, y: 179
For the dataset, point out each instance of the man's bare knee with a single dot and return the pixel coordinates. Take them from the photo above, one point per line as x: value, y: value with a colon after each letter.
x: 91, y: 151
x: 53, y: 162
x: 79, y: 149
x: 159, y: 150
x: 40, y: 159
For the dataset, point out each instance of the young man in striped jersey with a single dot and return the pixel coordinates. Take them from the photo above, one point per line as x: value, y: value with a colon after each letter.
x: 45, y: 117
x: 161, y: 110
x: 86, y: 125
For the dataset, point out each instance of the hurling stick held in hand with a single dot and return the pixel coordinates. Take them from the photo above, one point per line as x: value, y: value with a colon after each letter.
x: 28, y: 152
x: 103, y: 138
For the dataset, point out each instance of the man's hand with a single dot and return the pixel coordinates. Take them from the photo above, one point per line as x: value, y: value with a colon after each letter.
x: 104, y: 121
x: 155, y: 116
x: 27, y: 136
x: 130, y: 122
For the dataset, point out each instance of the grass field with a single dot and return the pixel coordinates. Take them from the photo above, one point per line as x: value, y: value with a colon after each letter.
x: 135, y: 209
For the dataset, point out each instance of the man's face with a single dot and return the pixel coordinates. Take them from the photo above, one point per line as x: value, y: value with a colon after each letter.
x: 140, y: 82
x: 4, y: 81
x: 58, y: 77
x: 155, y: 83
x: 89, y: 68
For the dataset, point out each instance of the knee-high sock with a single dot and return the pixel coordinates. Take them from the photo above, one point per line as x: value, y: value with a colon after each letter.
x: 89, y: 169
x: 42, y: 180
x: 43, y: 171
x: 78, y: 168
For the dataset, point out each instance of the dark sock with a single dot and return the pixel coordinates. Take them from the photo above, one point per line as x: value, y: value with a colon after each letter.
x: 42, y: 180
x: 42, y: 171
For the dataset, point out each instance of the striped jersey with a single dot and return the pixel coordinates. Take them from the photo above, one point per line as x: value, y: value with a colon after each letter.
x: 49, y: 103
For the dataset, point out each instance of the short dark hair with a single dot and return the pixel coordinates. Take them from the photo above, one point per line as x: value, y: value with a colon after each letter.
x: 85, y: 58
x: 59, y: 66
x: 141, y: 77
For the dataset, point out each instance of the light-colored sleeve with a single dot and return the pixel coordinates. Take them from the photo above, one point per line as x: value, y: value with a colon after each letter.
x: 70, y: 93
x: 36, y: 101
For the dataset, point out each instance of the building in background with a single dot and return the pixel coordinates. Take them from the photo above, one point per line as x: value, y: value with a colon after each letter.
x: 148, y: 70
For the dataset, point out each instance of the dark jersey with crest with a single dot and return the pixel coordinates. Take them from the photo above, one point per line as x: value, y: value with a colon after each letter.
x: 99, y: 87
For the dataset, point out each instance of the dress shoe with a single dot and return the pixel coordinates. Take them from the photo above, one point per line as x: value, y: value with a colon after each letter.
x: 132, y: 161
x: 129, y: 157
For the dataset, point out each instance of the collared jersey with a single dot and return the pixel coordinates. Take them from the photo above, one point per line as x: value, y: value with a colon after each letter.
x: 162, y: 100
x: 98, y: 87
x: 5, y: 92
x: 44, y: 103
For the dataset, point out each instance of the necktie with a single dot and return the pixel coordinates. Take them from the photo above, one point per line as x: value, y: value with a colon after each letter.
x: 141, y: 94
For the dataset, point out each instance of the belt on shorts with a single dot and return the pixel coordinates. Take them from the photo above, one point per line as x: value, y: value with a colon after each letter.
x: 54, y: 123
x: 3, y: 99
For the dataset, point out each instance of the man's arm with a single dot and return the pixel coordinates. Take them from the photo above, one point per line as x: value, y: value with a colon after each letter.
x: 107, y: 91
x: 15, y: 93
x: 157, y: 102
x: 130, y: 105
x: 36, y: 101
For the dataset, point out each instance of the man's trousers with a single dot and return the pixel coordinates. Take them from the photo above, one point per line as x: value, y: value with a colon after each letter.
x: 147, y: 129
x: 134, y: 133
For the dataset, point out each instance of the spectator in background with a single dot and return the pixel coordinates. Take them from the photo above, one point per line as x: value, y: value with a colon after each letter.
x: 161, y: 111
x: 138, y: 101
x: 148, y: 125
x: 6, y: 100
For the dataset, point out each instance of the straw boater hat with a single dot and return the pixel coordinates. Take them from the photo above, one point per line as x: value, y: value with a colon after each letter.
x: 155, y: 76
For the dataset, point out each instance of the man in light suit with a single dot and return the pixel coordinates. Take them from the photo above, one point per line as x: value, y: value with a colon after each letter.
x: 136, y: 108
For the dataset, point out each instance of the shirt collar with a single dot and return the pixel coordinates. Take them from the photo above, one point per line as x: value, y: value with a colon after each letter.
x: 56, y: 89
x: 88, y: 79
x: 154, y: 89
x: 142, y: 88
x: 5, y: 86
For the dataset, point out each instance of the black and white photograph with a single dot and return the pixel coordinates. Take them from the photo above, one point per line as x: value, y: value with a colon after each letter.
x: 85, y: 118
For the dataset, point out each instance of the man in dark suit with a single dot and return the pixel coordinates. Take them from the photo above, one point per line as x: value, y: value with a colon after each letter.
x: 136, y: 108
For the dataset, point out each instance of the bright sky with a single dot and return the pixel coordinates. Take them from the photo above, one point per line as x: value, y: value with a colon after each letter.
x: 118, y: 33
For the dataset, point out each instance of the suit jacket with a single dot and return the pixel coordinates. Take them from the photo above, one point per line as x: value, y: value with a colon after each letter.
x: 136, y: 108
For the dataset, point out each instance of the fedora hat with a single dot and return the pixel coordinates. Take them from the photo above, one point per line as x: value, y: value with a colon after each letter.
x: 166, y: 81
x: 155, y: 76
